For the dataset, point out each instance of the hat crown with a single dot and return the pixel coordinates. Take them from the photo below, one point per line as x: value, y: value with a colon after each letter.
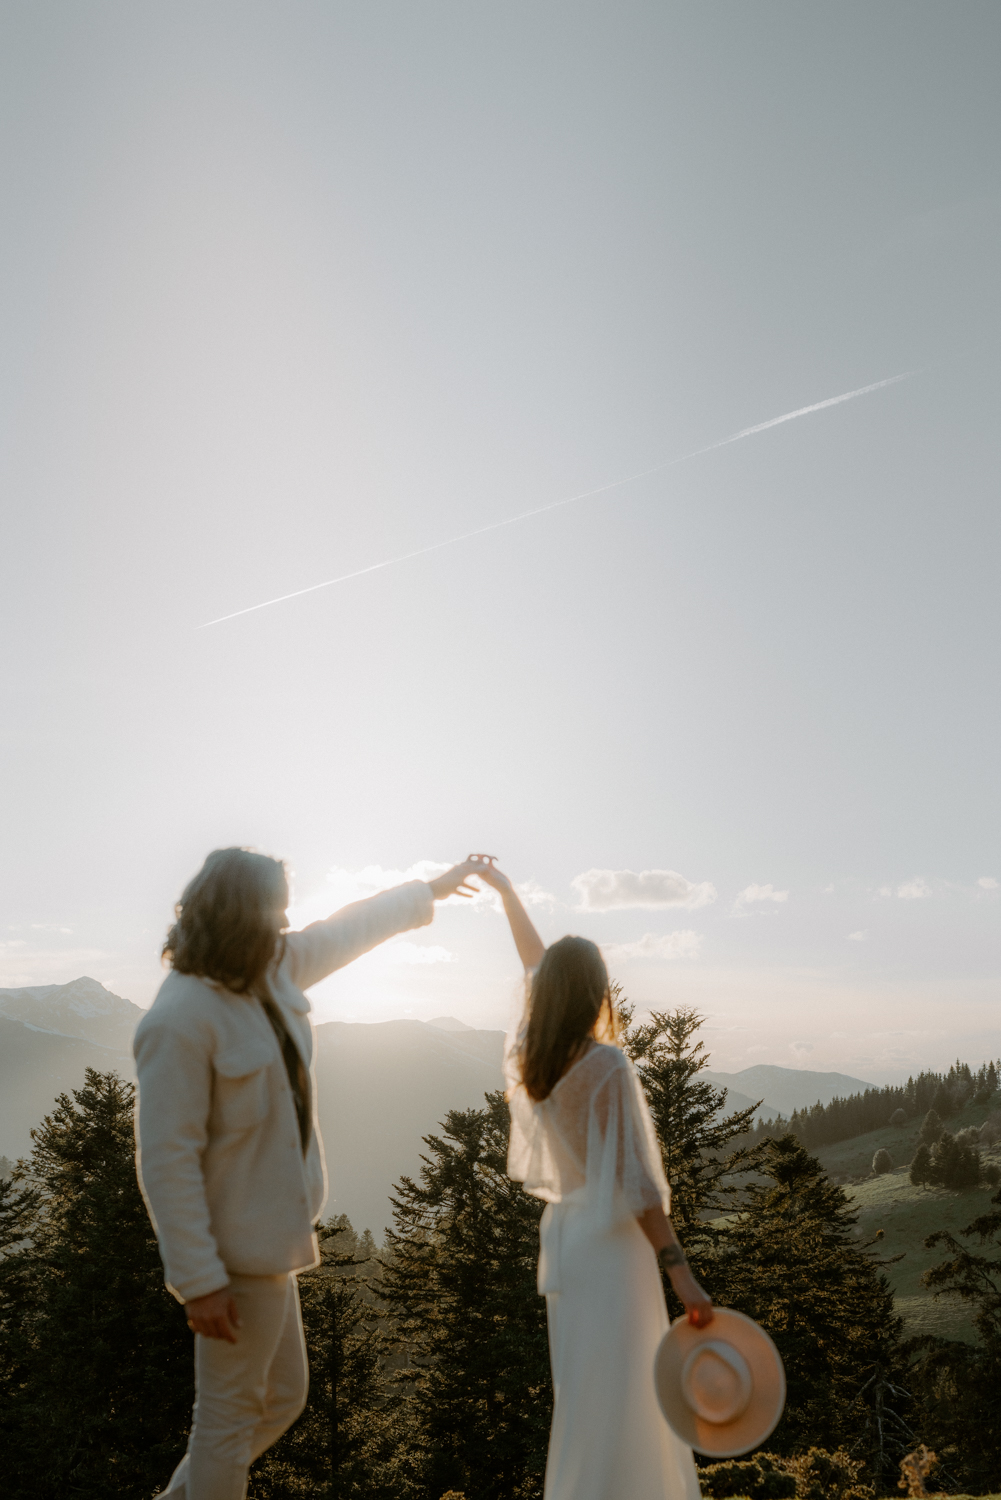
x: 716, y: 1382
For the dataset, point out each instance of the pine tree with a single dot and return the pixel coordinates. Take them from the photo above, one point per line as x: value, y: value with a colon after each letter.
x: 957, y: 1383
x: 703, y: 1162
x: 790, y: 1260
x: 342, y: 1443
x: 921, y: 1166
x: 942, y: 1103
x: 931, y: 1128
x: 954, y: 1164
x: 19, y: 1203
x: 844, y: 1118
x: 460, y: 1285
x: 975, y: 1278
x: 102, y: 1399
x: 696, y: 1137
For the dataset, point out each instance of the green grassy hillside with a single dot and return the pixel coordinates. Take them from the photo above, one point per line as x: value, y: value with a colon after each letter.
x: 907, y: 1215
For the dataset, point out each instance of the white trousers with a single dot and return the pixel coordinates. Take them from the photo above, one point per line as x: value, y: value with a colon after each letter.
x: 247, y: 1393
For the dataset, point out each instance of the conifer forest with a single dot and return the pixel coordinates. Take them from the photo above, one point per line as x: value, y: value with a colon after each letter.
x: 428, y: 1355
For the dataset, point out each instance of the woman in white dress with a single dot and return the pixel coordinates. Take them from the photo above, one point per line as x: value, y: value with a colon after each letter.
x: 582, y: 1139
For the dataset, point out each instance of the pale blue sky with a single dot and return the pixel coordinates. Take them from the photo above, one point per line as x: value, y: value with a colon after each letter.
x: 288, y: 290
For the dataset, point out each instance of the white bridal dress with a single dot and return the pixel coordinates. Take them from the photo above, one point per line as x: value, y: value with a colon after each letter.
x: 590, y: 1151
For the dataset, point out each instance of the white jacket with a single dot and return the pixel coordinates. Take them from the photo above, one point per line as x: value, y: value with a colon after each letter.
x: 219, y: 1154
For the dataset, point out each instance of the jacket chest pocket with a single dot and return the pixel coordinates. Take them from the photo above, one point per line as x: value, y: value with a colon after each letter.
x: 241, y: 1086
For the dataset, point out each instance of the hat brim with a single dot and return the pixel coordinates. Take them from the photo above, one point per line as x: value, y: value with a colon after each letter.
x: 761, y: 1415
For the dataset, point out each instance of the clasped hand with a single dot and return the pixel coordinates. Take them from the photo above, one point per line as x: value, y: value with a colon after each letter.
x: 214, y: 1316
x: 453, y: 882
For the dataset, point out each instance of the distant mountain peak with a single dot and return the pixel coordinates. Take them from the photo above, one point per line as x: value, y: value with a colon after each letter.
x: 83, y: 1008
x: 449, y: 1023
x: 787, y: 1089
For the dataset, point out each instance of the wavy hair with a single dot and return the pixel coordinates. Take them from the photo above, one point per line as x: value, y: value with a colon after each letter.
x: 228, y: 920
x: 569, y: 999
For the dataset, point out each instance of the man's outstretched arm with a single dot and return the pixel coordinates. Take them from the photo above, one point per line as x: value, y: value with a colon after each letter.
x: 322, y: 947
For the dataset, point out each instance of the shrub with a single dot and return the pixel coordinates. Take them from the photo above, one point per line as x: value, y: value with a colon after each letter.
x: 992, y: 1174
x: 882, y: 1162
x: 762, y: 1477
x: 915, y: 1469
x: 821, y: 1475
x: 898, y: 1117
x: 968, y: 1137
x: 931, y: 1128
x: 816, y: 1475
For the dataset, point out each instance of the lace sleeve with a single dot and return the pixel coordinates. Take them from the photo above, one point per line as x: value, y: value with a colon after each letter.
x: 625, y: 1174
x: 530, y: 1156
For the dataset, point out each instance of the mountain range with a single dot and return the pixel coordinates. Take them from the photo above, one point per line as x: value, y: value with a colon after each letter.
x: 381, y: 1087
x: 784, y: 1089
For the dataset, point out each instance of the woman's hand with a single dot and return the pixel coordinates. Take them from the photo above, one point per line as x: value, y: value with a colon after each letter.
x: 214, y: 1316
x: 484, y: 865
x: 659, y: 1230
x: 452, y: 883
x: 697, y: 1304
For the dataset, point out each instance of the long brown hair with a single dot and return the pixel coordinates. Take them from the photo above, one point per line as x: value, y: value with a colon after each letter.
x: 228, y: 920
x: 569, y: 998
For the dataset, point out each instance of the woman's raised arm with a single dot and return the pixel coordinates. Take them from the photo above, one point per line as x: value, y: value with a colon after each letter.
x: 530, y: 946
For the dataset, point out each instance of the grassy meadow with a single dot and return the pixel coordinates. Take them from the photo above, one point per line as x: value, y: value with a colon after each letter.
x: 907, y: 1215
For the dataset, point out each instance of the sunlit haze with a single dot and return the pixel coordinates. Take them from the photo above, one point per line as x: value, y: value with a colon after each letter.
x: 292, y: 291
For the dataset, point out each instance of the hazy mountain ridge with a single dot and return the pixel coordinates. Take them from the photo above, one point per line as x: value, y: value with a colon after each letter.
x: 784, y: 1089
x: 83, y: 1009
x: 381, y: 1086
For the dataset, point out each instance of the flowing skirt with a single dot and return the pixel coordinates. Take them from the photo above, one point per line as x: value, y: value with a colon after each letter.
x: 605, y: 1304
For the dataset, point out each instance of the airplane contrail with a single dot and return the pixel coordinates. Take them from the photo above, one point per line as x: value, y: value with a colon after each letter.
x: 602, y: 489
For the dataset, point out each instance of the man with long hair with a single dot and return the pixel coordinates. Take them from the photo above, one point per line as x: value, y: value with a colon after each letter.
x: 229, y: 1154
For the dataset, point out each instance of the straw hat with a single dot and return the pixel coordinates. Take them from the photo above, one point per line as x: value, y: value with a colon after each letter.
x: 722, y: 1388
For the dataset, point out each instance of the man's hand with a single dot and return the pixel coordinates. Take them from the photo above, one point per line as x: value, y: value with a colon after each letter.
x: 214, y: 1316
x: 452, y: 883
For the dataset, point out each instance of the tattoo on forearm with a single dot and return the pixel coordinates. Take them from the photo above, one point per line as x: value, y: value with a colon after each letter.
x: 670, y: 1257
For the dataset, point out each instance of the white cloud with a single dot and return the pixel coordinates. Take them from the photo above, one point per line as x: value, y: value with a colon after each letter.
x: 987, y: 883
x: 828, y: 890
x: 885, y: 890
x: 667, y: 945
x: 857, y: 937
x: 618, y: 890
x: 914, y: 890
x: 533, y: 895
x: 761, y: 893
x: 801, y: 1049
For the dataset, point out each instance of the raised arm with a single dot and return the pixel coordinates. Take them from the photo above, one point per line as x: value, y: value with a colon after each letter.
x: 530, y: 946
x: 322, y: 947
